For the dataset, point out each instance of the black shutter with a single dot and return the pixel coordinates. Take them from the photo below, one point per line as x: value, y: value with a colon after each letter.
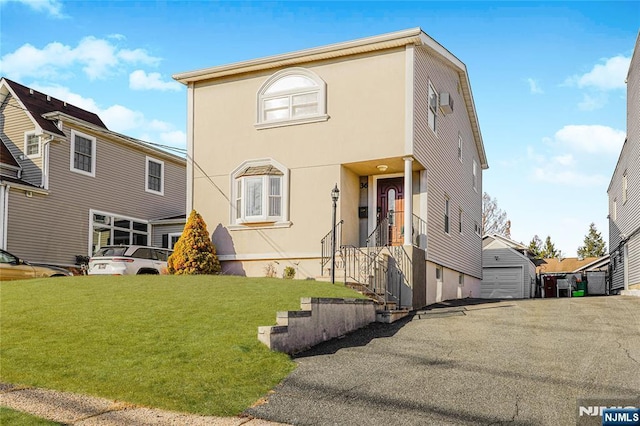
x: 165, y: 240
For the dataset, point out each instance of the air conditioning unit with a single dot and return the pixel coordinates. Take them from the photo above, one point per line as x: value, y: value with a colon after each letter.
x: 446, y: 103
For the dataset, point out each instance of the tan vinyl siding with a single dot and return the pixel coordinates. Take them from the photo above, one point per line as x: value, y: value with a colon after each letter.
x: 447, y: 176
x: 365, y: 104
x: 15, y: 123
x: 54, y: 228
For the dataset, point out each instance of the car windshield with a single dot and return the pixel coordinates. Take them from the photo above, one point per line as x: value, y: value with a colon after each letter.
x: 110, y: 251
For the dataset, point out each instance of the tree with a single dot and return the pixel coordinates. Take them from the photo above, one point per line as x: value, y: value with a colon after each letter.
x: 549, y: 249
x: 494, y: 220
x: 194, y: 253
x: 535, y: 247
x: 594, y: 245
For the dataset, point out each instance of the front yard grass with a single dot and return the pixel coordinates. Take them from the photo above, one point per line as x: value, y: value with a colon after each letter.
x: 183, y: 343
x: 16, y: 418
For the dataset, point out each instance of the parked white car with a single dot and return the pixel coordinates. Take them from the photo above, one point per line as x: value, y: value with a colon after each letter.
x: 128, y: 260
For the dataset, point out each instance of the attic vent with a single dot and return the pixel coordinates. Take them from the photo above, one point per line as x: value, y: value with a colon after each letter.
x: 446, y: 103
x: 31, y: 91
x: 64, y: 104
x: 48, y: 98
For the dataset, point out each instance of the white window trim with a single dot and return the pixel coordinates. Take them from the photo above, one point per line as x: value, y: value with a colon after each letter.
x: 460, y: 221
x: 170, y: 236
x: 263, y: 221
x: 615, y: 209
x: 103, y: 213
x: 625, y: 188
x: 460, y: 147
x: 434, y: 111
x: 475, y: 175
x: 146, y: 176
x: 72, y: 146
x: 26, y: 139
x: 447, y: 215
x: 322, y: 99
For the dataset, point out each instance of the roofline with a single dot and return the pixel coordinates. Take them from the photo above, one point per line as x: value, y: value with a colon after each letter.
x: 602, y: 259
x: 412, y: 36
x: 636, y: 51
x: 5, y: 82
x: 127, y: 140
x: 23, y: 187
x: 368, y: 44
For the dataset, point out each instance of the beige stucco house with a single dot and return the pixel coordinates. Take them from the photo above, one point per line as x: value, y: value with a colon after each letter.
x: 390, y: 119
x: 69, y: 185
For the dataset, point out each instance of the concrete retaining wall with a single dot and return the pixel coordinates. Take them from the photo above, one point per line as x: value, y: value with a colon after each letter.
x: 319, y: 320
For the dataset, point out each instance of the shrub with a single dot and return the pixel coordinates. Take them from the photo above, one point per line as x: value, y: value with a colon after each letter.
x: 194, y: 253
x: 270, y: 270
x: 289, y: 273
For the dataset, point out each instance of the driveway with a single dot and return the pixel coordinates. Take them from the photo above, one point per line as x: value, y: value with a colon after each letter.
x: 524, y: 362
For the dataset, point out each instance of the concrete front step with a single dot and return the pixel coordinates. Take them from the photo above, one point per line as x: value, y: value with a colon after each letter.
x: 390, y: 316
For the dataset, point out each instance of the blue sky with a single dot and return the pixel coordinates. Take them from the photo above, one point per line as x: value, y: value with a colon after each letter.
x: 547, y: 78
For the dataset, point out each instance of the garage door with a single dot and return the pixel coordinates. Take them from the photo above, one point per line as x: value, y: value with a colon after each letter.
x: 500, y: 283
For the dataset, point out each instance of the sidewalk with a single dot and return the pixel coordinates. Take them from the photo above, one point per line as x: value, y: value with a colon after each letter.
x: 81, y: 410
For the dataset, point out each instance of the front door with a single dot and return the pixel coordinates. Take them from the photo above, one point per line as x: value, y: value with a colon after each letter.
x: 391, y: 208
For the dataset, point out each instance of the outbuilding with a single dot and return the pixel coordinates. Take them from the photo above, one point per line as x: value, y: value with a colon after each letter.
x: 508, y: 271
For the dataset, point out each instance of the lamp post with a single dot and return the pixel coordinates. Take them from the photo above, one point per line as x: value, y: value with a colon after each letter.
x: 335, y: 193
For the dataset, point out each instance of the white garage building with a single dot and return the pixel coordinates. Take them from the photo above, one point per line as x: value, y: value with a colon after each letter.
x: 507, y: 270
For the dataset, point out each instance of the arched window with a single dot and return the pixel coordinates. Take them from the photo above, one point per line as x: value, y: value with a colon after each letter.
x: 291, y: 96
x: 260, y: 190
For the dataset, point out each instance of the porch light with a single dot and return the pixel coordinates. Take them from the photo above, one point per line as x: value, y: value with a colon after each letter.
x: 335, y: 193
x: 382, y: 167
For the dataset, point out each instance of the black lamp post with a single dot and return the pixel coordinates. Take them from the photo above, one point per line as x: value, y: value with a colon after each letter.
x: 335, y: 193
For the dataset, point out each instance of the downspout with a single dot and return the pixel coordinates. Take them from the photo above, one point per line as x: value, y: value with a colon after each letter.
x: 45, y: 162
x: 4, y: 214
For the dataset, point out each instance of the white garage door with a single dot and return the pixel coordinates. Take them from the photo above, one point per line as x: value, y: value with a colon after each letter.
x: 500, y: 283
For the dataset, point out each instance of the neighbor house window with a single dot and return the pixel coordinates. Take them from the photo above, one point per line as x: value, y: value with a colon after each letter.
x: 433, y: 107
x: 112, y: 229
x: 460, y: 221
x: 260, y: 192
x: 292, y: 96
x: 32, y: 145
x: 475, y: 176
x: 476, y: 227
x: 83, y: 153
x: 438, y: 273
x: 625, y: 187
x: 614, y: 213
x: 154, y: 181
x: 446, y: 214
x: 460, y: 147
x: 461, y: 279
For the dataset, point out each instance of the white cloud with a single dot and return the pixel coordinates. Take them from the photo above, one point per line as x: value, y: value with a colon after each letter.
x: 590, y: 103
x: 592, y: 139
x: 97, y: 57
x: 140, y: 80
x: 609, y: 75
x: 556, y: 175
x: 52, y: 7
x: 534, y: 87
x: 176, y: 138
x: 577, y: 156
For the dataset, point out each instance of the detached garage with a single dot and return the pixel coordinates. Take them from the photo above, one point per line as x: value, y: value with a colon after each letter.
x: 507, y: 271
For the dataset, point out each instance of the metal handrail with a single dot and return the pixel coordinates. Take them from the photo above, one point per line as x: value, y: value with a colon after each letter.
x: 419, y: 232
x: 327, y: 245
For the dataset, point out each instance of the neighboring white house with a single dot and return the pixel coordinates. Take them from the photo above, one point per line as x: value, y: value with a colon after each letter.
x: 624, y: 192
x: 389, y: 119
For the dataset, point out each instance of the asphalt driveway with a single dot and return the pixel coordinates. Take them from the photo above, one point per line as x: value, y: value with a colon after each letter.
x: 521, y: 362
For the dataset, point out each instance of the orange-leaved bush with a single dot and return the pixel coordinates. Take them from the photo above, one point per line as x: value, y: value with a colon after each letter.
x: 194, y: 253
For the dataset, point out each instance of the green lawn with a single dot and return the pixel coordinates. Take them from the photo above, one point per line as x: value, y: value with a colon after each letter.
x: 16, y: 418
x: 185, y: 343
